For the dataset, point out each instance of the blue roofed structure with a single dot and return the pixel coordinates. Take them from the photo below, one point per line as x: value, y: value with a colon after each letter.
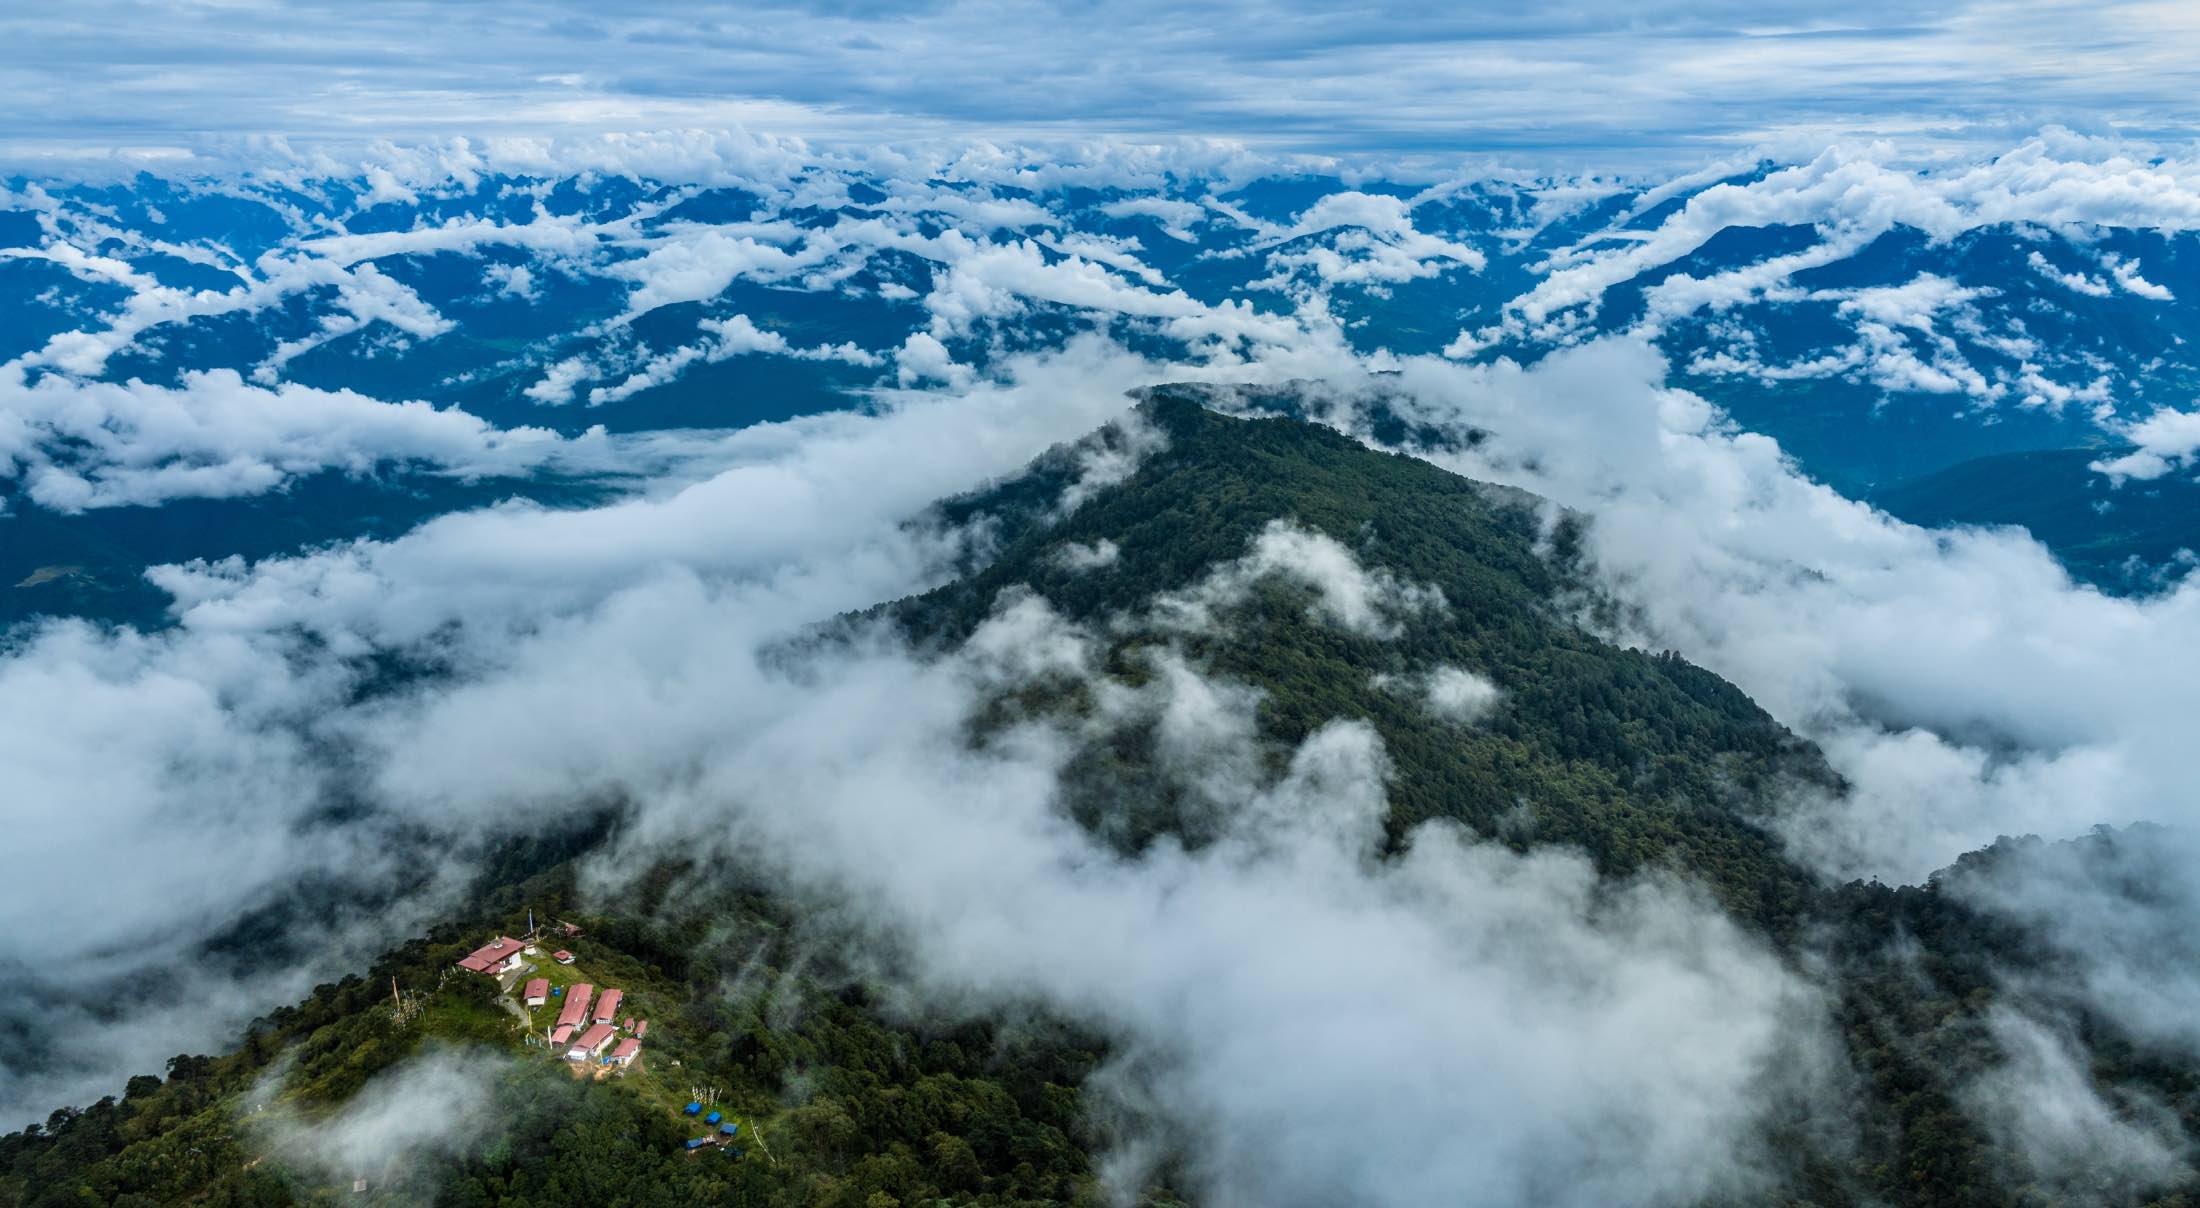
x: 712, y: 1118
x: 730, y: 1129
x: 693, y: 1109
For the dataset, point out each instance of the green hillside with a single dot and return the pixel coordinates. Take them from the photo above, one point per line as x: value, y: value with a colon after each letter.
x: 891, y: 1112
x: 1640, y: 759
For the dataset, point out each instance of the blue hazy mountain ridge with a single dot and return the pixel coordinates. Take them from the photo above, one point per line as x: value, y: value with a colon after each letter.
x: 2123, y: 536
x: 2135, y: 344
x: 92, y: 565
x: 599, y: 302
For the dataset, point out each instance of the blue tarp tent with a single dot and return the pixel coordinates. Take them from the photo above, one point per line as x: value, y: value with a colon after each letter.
x: 693, y: 1109
x: 730, y: 1129
x: 697, y: 1143
x: 557, y: 991
x: 712, y: 1118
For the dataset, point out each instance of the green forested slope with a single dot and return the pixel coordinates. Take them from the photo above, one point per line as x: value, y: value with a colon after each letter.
x: 890, y: 1113
x: 1640, y: 759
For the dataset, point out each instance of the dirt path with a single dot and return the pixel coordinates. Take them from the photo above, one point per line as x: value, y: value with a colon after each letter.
x: 511, y: 1004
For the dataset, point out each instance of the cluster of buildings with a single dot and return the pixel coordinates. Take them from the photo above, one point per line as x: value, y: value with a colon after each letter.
x: 589, y: 1024
x: 502, y: 954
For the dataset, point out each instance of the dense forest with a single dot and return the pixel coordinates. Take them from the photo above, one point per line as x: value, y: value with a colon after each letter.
x: 1639, y: 759
x: 890, y: 1112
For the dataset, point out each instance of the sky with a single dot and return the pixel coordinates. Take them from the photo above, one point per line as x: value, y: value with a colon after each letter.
x: 1628, y: 84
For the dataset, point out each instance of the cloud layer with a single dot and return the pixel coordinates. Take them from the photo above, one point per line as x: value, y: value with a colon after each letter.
x: 1402, y: 78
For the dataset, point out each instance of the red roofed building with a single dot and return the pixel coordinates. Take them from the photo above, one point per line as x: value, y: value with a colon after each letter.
x: 627, y: 1051
x: 607, y: 1007
x: 576, y: 1005
x: 497, y: 956
x: 562, y: 957
x: 561, y: 1034
x: 590, y: 1043
x: 537, y: 992
x: 641, y: 1029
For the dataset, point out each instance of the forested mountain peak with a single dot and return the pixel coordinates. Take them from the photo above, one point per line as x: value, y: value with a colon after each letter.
x: 1332, y: 597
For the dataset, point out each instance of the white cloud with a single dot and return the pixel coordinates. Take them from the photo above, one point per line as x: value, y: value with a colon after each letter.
x: 107, y: 723
x: 514, y: 281
x: 2119, y: 912
x: 1521, y: 83
x: 2092, y: 287
x: 77, y: 445
x: 2127, y: 275
x: 1376, y: 243
x: 2042, y: 1102
x: 438, y: 1103
x: 565, y: 237
x: 2166, y: 441
x: 1890, y: 323
x: 366, y: 296
x: 697, y: 265
x: 994, y: 282
x: 1458, y: 694
x: 734, y: 336
x: 922, y: 358
x: 558, y: 384
x: 1963, y: 684
x: 1176, y: 218
x: 1078, y: 556
x: 1361, y: 601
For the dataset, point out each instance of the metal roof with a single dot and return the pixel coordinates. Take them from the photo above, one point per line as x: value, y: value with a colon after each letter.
x: 490, y: 955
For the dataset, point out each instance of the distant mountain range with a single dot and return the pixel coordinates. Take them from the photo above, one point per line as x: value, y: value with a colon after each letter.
x: 573, y: 331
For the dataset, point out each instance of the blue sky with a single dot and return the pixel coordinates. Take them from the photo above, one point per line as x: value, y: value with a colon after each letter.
x: 1604, y: 83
